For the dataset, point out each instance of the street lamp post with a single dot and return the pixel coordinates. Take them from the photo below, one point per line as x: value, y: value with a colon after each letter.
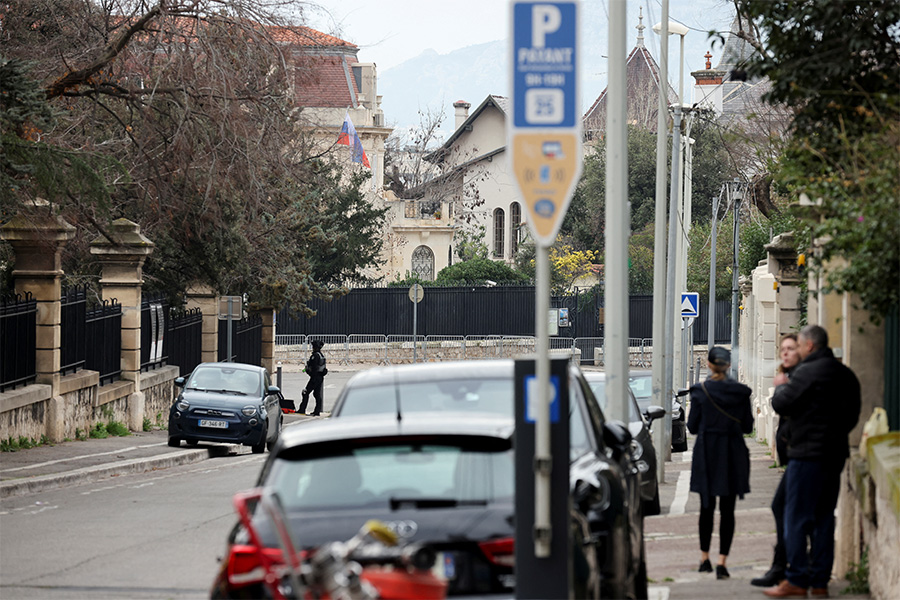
x: 711, y: 328
x: 681, y: 30
x: 737, y: 196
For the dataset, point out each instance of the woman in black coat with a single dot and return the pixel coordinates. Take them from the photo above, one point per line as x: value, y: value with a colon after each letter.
x: 720, y: 416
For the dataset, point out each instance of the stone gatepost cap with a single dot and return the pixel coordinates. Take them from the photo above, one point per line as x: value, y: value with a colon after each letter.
x: 24, y: 227
x: 123, y: 233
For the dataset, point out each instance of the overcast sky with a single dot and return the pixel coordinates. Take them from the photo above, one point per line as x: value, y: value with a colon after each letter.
x: 389, y: 32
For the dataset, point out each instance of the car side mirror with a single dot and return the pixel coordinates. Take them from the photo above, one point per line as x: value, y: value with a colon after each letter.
x: 654, y: 412
x: 616, y: 436
x: 179, y: 382
x: 274, y: 390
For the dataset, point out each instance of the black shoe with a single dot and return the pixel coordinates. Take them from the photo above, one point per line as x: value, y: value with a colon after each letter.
x: 722, y: 572
x: 705, y: 567
x: 315, y: 414
x: 773, y: 577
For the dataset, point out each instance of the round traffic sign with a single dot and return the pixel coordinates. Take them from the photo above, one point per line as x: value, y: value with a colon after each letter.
x: 416, y: 293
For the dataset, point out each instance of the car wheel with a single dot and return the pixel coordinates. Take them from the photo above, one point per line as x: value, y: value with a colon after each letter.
x: 260, y: 447
x: 174, y: 442
x: 190, y: 442
x: 271, y: 444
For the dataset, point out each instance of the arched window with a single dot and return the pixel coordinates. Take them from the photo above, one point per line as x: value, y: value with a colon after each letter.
x: 499, y: 227
x: 515, y: 218
x: 423, y: 263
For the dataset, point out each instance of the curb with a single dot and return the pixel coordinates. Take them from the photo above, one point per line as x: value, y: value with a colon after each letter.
x: 40, y: 483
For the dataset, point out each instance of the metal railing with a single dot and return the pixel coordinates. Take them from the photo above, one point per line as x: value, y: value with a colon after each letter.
x: 72, y: 323
x: 18, y: 340
x: 395, y: 349
x: 183, y: 344
x: 154, y: 330
x: 103, y: 340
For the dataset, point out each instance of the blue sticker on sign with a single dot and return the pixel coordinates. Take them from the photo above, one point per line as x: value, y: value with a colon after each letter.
x: 544, y: 208
x: 531, y: 392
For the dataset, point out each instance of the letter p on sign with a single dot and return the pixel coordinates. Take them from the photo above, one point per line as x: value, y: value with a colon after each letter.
x: 545, y: 18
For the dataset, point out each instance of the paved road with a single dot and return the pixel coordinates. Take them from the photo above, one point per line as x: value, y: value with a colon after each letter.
x: 147, y: 510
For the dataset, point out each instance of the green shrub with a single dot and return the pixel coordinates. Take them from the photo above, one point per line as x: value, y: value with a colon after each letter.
x: 99, y: 431
x: 116, y: 428
x: 148, y: 425
x: 858, y: 575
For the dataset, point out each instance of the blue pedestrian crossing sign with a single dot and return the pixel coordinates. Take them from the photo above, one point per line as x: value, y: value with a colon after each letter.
x: 690, y: 305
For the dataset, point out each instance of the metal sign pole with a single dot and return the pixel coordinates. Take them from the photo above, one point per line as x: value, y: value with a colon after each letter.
x: 542, y: 457
x: 230, y: 303
x: 415, y: 326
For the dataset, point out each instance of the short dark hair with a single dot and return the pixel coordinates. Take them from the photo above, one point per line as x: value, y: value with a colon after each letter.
x: 817, y: 335
x: 316, y: 344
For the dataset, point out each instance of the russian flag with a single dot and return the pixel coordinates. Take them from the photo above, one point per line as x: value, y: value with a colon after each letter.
x: 349, y: 137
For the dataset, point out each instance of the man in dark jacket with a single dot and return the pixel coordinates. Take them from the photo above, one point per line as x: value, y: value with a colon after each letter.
x: 822, y: 399
x: 315, y: 368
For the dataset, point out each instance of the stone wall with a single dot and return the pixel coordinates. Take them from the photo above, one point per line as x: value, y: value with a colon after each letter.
x: 23, y: 412
x: 159, y: 392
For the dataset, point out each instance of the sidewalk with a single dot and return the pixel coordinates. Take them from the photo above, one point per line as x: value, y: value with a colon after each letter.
x: 673, y: 543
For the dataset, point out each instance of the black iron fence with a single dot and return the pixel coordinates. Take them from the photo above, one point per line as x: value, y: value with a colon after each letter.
x: 477, y: 310
x: 73, y: 321
x: 90, y: 337
x: 103, y: 340
x: 183, y: 343
x: 246, y: 340
x: 18, y: 339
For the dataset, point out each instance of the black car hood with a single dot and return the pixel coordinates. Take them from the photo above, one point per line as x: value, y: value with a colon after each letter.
x: 313, y: 528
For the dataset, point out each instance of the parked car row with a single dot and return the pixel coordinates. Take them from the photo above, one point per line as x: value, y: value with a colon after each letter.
x: 428, y: 450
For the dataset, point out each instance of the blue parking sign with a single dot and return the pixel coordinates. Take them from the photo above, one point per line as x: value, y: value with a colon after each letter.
x: 544, y: 59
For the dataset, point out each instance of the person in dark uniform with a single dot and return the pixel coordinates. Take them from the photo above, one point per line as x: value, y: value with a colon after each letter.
x: 720, y: 416
x: 315, y: 368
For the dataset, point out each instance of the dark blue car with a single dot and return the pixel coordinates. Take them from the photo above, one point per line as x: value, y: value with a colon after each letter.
x: 226, y: 402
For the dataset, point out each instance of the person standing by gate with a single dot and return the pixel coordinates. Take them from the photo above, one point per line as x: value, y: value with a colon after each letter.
x: 720, y: 416
x: 790, y: 358
x: 822, y: 399
x: 315, y: 368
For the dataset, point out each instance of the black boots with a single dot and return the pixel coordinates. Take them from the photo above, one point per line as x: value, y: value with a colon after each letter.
x: 722, y: 572
x: 705, y: 567
x: 773, y: 577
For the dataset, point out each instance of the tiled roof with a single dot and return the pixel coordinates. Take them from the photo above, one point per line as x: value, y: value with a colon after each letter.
x: 642, y: 79
x: 326, y: 81
x: 304, y: 36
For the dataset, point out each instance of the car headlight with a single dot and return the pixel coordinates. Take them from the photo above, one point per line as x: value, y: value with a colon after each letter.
x: 248, y: 411
x: 182, y: 405
x: 637, y: 449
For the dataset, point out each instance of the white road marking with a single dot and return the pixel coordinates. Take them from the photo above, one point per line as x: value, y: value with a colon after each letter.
x: 682, y: 490
x: 658, y: 592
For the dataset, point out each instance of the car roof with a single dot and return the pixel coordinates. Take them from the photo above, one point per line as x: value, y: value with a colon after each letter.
x: 383, y: 425
x: 231, y: 365
x: 456, y: 369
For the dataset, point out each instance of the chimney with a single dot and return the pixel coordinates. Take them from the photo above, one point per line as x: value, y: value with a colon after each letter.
x: 708, y: 86
x: 462, y: 112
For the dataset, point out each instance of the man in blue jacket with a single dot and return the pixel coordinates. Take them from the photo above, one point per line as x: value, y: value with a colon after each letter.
x: 822, y: 399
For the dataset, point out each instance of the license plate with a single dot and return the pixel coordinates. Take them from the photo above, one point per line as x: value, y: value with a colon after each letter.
x: 214, y: 424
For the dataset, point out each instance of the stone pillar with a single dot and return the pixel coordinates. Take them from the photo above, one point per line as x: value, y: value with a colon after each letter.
x: 37, y: 240
x: 268, y: 339
x: 121, y: 261
x: 207, y: 300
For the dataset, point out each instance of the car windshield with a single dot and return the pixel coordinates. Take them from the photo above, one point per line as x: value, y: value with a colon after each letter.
x: 224, y: 379
x: 435, y: 475
x: 599, y: 389
x: 493, y: 396
x: 469, y: 395
x: 642, y: 386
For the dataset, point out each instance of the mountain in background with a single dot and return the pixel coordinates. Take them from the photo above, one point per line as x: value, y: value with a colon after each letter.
x: 432, y: 82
